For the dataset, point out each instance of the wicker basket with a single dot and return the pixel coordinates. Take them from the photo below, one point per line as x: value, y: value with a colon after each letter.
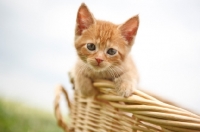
x: 108, y: 112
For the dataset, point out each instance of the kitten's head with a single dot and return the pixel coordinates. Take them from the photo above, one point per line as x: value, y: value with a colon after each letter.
x: 101, y: 44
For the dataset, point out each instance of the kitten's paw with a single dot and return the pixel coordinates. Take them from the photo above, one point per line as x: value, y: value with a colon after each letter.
x: 86, y: 87
x: 125, y: 88
x: 88, y: 91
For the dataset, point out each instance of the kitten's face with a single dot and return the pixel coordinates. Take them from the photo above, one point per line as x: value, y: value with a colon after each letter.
x: 102, y: 45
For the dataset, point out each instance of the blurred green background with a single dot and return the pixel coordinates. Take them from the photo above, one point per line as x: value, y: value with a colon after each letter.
x: 17, y: 117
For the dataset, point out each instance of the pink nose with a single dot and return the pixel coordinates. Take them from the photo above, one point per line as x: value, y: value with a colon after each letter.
x: 98, y: 60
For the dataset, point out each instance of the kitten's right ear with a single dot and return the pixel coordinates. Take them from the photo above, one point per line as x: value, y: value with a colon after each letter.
x: 84, y: 19
x: 129, y: 29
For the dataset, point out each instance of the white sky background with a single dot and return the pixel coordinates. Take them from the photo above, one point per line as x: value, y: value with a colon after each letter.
x: 36, y: 47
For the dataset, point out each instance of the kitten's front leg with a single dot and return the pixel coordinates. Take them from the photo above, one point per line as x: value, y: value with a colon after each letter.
x: 84, y: 85
x: 126, y: 84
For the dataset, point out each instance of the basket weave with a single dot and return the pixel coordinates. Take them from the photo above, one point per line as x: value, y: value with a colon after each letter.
x: 108, y: 112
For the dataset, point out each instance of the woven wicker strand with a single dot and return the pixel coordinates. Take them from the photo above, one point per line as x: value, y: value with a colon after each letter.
x: 108, y: 112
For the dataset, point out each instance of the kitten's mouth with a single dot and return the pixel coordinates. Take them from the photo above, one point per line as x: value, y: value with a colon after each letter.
x: 98, y: 67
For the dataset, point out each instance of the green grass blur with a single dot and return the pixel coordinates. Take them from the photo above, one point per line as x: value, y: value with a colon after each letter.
x: 16, y: 117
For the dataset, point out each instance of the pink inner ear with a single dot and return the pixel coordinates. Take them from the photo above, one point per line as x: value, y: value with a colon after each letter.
x: 80, y: 23
x: 81, y: 26
x: 83, y: 22
x: 84, y: 19
x: 129, y: 34
x: 129, y: 28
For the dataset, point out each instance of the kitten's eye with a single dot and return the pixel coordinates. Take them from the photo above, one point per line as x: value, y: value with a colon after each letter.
x: 111, y: 51
x: 91, y: 46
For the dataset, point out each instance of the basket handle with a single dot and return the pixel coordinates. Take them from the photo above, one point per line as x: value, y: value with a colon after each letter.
x: 58, y: 115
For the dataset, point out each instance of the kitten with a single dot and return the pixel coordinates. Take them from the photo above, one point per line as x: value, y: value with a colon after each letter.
x: 103, y: 49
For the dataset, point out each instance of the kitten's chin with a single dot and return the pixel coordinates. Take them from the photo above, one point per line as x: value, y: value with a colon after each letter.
x: 98, y: 68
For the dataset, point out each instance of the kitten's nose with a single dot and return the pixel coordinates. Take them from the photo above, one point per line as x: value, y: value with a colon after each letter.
x: 98, y: 60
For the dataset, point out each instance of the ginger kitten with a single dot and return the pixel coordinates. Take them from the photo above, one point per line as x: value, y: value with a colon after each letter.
x: 103, y: 49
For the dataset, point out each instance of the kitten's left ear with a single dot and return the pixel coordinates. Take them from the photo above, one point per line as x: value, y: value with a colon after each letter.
x: 129, y: 29
x: 84, y: 19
